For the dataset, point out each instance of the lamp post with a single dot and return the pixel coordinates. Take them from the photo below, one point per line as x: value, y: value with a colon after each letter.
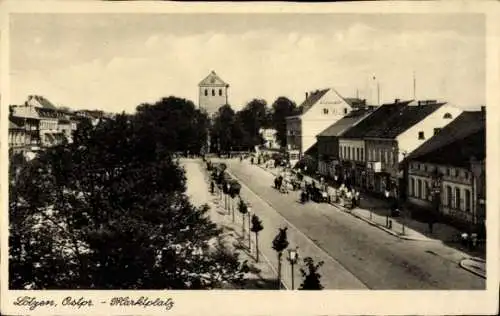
x: 249, y: 228
x: 293, y: 257
x: 387, y: 194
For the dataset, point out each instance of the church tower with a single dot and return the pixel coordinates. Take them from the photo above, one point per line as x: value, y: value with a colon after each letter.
x: 212, y: 93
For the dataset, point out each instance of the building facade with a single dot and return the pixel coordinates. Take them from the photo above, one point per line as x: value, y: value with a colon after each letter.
x: 354, y: 169
x: 320, y: 109
x: 447, y: 173
x: 389, y: 143
x: 213, y: 93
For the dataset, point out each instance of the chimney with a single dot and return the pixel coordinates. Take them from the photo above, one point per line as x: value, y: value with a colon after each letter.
x: 419, y: 103
x: 483, y: 109
x: 396, y: 100
x: 307, y: 95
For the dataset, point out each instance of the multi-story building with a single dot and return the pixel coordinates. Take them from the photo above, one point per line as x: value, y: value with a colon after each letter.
x: 320, y: 109
x: 353, y: 161
x: 50, y: 133
x: 17, y: 138
x: 213, y: 93
x: 446, y: 175
x: 389, y: 142
x: 328, y: 141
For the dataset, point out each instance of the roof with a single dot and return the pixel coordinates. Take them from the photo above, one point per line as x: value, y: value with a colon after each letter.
x: 405, y: 118
x: 37, y: 100
x: 459, y: 152
x: 356, y: 102
x: 377, y: 117
x: 213, y: 80
x: 344, y: 123
x: 47, y: 113
x: 312, y: 98
x: 465, y: 124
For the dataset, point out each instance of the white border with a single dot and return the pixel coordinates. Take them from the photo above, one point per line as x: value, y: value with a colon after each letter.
x: 266, y: 302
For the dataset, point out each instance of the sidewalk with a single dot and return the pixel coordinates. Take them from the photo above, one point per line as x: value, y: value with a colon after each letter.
x: 262, y: 275
x: 474, y: 265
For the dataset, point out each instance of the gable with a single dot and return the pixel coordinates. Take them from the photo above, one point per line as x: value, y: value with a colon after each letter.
x: 330, y: 104
x: 213, y: 80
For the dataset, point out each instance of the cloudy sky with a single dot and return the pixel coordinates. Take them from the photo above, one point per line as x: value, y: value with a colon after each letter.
x: 117, y: 61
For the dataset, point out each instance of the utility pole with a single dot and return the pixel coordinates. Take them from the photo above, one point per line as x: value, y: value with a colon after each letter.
x: 378, y: 93
x: 414, y: 86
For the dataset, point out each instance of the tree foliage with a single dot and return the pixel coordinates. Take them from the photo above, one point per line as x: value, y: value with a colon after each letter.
x: 109, y: 211
x: 282, y: 108
x: 311, y: 275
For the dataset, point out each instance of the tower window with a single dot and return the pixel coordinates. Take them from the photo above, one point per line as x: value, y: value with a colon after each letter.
x: 325, y: 111
x: 213, y: 92
x: 206, y: 92
x: 345, y: 110
x: 220, y: 92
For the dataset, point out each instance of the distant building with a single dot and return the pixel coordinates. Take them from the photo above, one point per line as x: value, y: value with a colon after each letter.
x: 446, y: 175
x: 213, y: 93
x: 320, y: 109
x: 269, y: 137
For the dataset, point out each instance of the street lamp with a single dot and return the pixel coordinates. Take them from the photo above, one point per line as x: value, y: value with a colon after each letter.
x: 387, y: 194
x: 293, y: 257
x: 249, y: 227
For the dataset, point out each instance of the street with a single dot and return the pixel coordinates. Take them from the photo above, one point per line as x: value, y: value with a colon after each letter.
x: 355, y: 254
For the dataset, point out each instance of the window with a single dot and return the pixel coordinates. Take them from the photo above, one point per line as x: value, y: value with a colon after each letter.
x: 457, y: 198
x: 358, y: 156
x: 369, y: 155
x: 389, y: 159
x: 412, y: 186
x: 345, y: 110
x: 467, y: 201
x: 206, y: 92
x: 213, y: 92
x: 362, y: 154
x: 220, y: 92
x: 421, y: 135
x: 448, y: 172
x: 447, y: 116
x: 436, y: 131
x: 420, y: 193
x: 325, y: 111
x: 449, y: 196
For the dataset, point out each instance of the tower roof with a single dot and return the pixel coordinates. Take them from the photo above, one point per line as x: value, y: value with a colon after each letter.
x: 212, y: 80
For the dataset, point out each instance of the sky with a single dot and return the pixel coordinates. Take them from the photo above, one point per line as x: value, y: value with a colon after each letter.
x: 115, y: 62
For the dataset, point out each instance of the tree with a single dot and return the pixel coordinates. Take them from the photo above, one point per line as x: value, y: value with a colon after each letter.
x: 252, y: 118
x: 110, y: 212
x: 243, y: 208
x: 174, y: 124
x: 281, y: 109
x: 223, y: 129
x: 280, y: 242
x: 311, y: 276
x: 256, y: 228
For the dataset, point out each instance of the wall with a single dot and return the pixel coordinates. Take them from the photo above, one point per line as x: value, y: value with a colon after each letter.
x: 212, y: 103
x: 384, y: 151
x: 293, y: 133
x: 328, y: 110
x: 348, y: 149
x: 455, y: 178
x: 409, y: 140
